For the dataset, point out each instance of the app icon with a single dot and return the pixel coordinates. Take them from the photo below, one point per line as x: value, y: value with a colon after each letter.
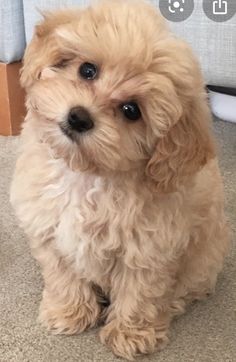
x: 220, y: 7
x: 176, y: 10
x: 219, y: 10
x: 175, y: 6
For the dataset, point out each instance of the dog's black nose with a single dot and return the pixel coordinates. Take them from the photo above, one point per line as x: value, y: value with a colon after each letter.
x: 80, y: 120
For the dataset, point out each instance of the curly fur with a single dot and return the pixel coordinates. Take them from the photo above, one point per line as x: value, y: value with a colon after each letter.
x: 130, y: 212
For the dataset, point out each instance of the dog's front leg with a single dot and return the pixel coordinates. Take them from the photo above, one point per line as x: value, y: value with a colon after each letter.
x: 69, y: 303
x: 138, y: 318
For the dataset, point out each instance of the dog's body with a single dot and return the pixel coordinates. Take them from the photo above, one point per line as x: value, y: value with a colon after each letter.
x: 131, y: 212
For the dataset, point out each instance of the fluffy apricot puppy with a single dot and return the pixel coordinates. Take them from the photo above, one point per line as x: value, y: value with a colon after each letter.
x: 117, y: 185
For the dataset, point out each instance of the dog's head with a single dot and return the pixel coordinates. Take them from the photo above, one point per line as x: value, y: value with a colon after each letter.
x: 111, y: 90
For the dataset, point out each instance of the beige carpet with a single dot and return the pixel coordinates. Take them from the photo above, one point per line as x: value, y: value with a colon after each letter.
x: 206, y: 333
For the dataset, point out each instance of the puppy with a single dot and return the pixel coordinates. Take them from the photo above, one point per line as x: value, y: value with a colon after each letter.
x: 117, y: 185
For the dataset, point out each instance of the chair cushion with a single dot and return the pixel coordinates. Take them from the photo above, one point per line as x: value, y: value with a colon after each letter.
x: 12, y: 33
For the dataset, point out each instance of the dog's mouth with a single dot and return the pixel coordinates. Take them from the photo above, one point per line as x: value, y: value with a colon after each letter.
x: 68, y: 132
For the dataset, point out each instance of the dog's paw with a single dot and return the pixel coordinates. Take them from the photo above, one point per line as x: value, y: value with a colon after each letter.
x: 68, y: 319
x: 130, y: 342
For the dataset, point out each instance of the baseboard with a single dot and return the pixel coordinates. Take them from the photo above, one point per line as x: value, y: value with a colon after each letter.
x: 12, y: 108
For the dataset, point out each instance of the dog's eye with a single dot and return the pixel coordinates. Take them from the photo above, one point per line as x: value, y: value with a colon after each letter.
x: 131, y: 111
x: 88, y: 71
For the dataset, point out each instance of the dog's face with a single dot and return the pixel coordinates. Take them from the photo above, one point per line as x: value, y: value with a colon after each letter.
x: 107, y: 84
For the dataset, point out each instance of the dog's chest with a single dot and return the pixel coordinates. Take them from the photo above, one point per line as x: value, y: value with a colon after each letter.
x: 92, y: 225
x: 72, y: 237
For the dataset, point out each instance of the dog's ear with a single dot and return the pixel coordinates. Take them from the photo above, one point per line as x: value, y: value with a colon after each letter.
x: 180, y: 153
x: 43, y: 50
x: 185, y: 143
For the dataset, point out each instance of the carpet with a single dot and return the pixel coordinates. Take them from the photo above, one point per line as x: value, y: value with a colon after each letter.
x: 206, y: 333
